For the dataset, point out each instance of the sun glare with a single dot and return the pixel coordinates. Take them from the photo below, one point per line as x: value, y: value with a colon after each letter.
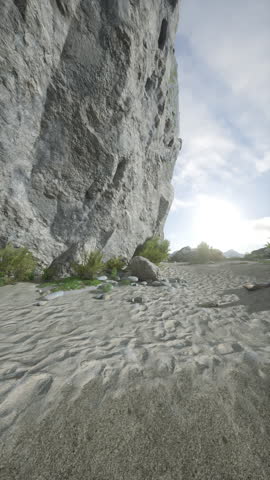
x: 217, y: 222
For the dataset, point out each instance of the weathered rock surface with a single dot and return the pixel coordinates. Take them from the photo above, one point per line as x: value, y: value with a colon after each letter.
x: 144, y: 269
x: 88, y: 123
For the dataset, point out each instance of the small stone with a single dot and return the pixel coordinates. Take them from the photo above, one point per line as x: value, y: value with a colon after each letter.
x: 237, y: 348
x: 105, y: 287
x: 138, y: 300
x: 208, y: 305
x: 225, y: 348
x: 100, y: 296
x: 203, y: 360
x: 45, y: 289
x: 144, y: 283
x: 103, y: 278
x: 196, y: 348
x: 133, y: 284
x: 112, y: 282
x: 133, y: 279
x: 40, y: 304
x: 156, y: 283
x: 170, y: 324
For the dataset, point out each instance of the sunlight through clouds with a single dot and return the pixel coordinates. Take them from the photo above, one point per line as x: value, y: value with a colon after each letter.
x: 224, y: 76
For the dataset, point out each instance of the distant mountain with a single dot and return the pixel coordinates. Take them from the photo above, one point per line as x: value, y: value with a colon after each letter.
x: 232, y: 253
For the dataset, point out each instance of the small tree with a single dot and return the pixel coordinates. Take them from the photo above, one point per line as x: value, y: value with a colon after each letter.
x: 202, y: 254
x: 154, y: 249
x: 216, y: 255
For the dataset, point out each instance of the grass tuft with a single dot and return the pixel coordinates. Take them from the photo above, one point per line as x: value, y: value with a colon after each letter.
x: 91, y: 265
x: 69, y: 283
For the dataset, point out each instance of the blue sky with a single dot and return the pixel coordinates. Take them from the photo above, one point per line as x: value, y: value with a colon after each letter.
x: 222, y: 175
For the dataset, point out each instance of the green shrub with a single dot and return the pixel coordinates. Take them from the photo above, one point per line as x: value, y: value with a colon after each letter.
x: 114, y: 274
x: 154, y: 249
x: 49, y: 274
x: 16, y: 264
x: 91, y: 265
x: 216, y: 255
x: 205, y: 254
x: 114, y: 264
x: 125, y: 281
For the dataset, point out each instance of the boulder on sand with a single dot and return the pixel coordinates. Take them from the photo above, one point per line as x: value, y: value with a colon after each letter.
x: 143, y: 269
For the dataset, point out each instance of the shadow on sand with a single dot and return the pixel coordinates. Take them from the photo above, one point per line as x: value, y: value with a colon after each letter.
x: 254, y: 301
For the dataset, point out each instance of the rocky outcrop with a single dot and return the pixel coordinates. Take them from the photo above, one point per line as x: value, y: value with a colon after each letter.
x: 185, y: 254
x: 260, y: 253
x: 88, y: 123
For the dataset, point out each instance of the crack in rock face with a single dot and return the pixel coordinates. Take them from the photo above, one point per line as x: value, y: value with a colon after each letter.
x: 89, y: 124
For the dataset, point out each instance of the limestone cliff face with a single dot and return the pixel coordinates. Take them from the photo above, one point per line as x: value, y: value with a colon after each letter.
x: 88, y: 123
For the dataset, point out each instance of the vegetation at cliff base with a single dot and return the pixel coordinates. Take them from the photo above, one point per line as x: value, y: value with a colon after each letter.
x: 16, y: 265
x: 114, y: 265
x: 154, y: 249
x: 91, y: 265
x: 69, y: 283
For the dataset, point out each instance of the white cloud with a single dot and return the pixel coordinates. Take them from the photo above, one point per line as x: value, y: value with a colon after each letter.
x: 224, y: 118
x: 225, y: 114
x: 178, y: 203
x: 262, y: 224
x: 263, y: 164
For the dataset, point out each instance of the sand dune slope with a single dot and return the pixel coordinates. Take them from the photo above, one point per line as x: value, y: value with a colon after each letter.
x: 164, y: 390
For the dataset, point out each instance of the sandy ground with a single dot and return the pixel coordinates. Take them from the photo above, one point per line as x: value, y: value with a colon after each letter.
x: 164, y: 390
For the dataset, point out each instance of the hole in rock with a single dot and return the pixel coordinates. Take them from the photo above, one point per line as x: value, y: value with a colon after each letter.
x: 21, y: 6
x: 149, y: 84
x: 62, y: 7
x: 173, y: 3
x: 168, y: 125
x: 163, y: 34
x: 157, y: 121
x: 120, y: 172
x: 161, y: 107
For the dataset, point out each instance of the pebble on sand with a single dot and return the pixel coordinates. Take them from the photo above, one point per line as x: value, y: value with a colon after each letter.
x: 225, y: 348
x: 133, y: 278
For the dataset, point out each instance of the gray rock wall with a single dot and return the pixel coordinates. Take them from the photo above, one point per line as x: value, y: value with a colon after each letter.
x: 88, y: 123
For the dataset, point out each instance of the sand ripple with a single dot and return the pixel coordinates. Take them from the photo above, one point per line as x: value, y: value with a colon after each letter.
x: 71, y: 341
